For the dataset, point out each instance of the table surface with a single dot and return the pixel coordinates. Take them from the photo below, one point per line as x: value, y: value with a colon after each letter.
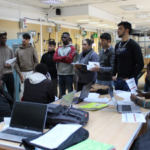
x: 104, y: 125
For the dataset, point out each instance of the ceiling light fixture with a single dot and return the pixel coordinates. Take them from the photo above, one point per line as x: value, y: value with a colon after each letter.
x: 103, y: 25
x: 94, y: 23
x: 129, y: 7
x: 51, y: 2
x: 83, y: 20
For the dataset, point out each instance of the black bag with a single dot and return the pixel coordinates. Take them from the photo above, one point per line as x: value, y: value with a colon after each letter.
x: 142, y: 142
x: 62, y: 114
x: 77, y: 137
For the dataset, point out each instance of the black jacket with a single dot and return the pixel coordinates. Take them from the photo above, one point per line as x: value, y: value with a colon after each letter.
x: 42, y: 92
x: 47, y: 59
x: 6, y: 104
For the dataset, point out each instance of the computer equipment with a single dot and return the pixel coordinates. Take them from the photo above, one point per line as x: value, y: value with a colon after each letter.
x: 124, y: 108
x: 27, y: 119
x: 67, y: 99
x: 84, y: 93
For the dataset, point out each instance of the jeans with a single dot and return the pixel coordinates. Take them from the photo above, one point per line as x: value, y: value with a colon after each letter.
x: 146, y: 88
x: 65, y: 82
x: 8, y: 80
x: 106, y: 83
x: 122, y: 85
x: 55, y: 82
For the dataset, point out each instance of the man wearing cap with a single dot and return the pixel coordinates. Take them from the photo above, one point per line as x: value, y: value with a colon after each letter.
x: 6, y: 70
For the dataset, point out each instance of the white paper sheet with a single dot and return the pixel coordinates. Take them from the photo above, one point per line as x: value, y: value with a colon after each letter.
x: 56, y: 136
x: 133, y: 118
x: 7, y: 122
x: 118, y: 91
x: 93, y: 95
x: 97, y: 100
x: 56, y: 98
x: 121, y: 103
x: 92, y: 65
x: 10, y: 61
x: 132, y: 85
x: 125, y: 95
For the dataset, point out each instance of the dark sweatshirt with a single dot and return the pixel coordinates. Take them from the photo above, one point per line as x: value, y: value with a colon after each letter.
x: 38, y: 89
x: 128, y: 63
x: 47, y: 59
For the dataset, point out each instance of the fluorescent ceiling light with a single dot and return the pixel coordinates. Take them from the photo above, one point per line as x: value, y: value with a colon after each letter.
x: 94, y: 23
x: 142, y: 15
x: 51, y: 2
x: 83, y: 20
x: 110, y: 26
x: 103, y: 25
x: 129, y: 7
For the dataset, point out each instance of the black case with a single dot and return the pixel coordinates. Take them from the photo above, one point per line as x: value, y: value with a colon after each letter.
x: 77, y: 137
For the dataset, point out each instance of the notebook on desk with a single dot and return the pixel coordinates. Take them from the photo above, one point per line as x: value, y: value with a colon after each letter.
x: 27, y: 119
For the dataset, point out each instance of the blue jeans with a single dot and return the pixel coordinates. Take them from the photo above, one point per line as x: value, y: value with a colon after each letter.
x: 65, y: 82
x: 122, y: 85
x: 106, y: 83
x: 146, y: 88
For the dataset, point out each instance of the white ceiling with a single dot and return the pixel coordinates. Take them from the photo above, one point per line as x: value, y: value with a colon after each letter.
x: 111, y: 6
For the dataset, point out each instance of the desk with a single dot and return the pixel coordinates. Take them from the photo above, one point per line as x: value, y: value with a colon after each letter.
x: 104, y: 126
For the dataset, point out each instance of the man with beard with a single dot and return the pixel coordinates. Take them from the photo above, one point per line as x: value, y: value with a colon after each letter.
x: 128, y: 58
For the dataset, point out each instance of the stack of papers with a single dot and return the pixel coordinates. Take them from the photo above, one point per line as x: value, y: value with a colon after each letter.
x: 97, y: 100
x: 56, y: 136
x: 133, y: 118
x: 93, y: 106
x: 92, y: 65
x: 91, y: 145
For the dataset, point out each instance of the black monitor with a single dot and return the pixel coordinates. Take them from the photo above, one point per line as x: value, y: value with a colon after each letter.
x: 30, y: 116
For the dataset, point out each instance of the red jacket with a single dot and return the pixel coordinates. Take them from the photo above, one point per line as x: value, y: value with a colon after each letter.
x: 68, y: 58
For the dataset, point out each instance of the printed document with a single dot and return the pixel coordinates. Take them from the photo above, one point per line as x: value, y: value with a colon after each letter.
x: 133, y: 117
x: 56, y: 136
x: 132, y: 85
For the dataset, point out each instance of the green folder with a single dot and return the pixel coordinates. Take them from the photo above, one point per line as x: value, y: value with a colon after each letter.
x: 93, y: 106
x: 91, y: 145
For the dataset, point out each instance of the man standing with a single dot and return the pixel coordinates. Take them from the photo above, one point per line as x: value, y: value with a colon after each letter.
x: 106, y: 60
x: 128, y: 58
x: 88, y: 54
x: 47, y: 59
x: 27, y: 60
x: 6, y: 70
x: 64, y: 57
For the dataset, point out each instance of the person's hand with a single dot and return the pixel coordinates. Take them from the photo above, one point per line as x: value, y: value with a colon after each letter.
x: 133, y: 97
x: 7, y: 66
x: 78, y: 66
x: 95, y: 69
x: 140, y: 94
x: 114, y: 78
x: 125, y: 79
x: 21, y: 77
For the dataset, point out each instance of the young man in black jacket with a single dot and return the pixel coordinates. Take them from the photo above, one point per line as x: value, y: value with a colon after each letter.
x: 47, y: 59
x: 128, y: 58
